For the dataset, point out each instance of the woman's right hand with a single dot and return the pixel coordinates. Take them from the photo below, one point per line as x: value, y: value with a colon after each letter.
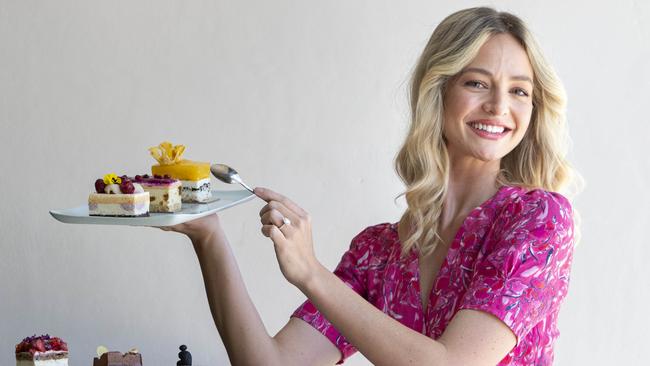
x: 199, y: 230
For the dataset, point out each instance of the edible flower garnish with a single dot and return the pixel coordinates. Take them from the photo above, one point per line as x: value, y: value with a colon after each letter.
x: 101, y: 350
x: 166, y: 153
x: 112, y: 178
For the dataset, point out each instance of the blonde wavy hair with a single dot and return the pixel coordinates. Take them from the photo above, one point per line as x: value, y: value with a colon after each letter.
x: 422, y: 162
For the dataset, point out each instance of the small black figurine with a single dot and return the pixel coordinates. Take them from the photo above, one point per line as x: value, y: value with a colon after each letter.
x: 185, y: 357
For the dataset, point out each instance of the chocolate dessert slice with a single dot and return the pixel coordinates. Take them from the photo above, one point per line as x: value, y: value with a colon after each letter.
x: 118, y: 359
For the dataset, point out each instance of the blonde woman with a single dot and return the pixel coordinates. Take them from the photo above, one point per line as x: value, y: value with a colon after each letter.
x: 476, y: 269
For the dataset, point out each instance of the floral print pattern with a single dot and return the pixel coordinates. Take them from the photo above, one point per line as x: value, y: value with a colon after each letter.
x: 511, y: 258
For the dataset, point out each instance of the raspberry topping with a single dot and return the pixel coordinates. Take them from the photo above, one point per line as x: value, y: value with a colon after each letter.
x: 100, y: 185
x: 41, y: 343
x: 127, y: 187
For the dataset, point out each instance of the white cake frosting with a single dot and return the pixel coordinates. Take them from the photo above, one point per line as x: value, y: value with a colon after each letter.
x: 196, y: 190
x: 118, y: 209
x: 101, y: 204
x: 50, y: 362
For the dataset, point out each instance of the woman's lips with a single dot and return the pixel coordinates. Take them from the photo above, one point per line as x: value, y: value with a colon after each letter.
x: 488, y: 135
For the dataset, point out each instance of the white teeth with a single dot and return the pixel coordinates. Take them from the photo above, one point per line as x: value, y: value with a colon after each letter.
x: 491, y: 129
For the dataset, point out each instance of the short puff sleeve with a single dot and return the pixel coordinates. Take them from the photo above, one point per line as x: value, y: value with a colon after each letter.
x: 352, y: 270
x: 523, y: 275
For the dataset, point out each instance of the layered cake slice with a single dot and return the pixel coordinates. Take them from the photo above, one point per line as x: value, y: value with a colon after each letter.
x: 118, y: 196
x: 194, y: 175
x: 113, y: 358
x: 164, y: 192
x: 42, y: 351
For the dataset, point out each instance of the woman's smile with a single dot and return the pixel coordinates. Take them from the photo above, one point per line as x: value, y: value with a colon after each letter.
x: 491, y: 130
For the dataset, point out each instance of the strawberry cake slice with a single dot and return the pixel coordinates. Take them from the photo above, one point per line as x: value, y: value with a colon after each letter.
x: 42, y: 351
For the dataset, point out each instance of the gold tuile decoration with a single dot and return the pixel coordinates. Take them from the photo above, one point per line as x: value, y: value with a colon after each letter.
x: 166, y: 153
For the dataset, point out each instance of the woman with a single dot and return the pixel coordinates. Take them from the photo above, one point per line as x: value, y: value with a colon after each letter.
x: 475, y: 270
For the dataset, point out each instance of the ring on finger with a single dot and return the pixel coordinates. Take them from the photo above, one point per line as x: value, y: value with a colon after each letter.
x: 285, y: 221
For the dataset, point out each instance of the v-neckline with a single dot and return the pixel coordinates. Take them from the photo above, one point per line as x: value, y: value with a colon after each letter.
x: 425, y: 311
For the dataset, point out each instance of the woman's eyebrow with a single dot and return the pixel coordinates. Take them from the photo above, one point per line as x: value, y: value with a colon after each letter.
x: 487, y: 73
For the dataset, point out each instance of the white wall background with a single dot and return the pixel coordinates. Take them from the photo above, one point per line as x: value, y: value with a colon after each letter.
x: 308, y: 98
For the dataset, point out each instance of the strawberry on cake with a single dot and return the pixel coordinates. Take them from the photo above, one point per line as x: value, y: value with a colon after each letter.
x: 118, y: 196
x: 194, y: 175
x: 42, y: 351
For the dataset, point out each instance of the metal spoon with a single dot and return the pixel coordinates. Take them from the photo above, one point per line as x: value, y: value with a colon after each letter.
x: 228, y: 175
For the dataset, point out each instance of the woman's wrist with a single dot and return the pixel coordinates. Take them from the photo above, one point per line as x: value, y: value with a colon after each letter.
x: 314, y: 282
x: 204, y: 230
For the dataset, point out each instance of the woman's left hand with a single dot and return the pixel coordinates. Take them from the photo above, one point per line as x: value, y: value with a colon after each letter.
x: 292, y: 239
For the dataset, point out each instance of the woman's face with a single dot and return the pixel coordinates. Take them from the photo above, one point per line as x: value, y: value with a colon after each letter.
x: 493, y: 92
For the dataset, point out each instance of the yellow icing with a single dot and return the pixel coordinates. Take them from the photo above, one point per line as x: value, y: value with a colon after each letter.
x: 170, y: 162
x: 184, y: 170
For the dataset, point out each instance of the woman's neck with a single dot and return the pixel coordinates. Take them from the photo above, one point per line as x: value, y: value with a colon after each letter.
x: 471, y: 182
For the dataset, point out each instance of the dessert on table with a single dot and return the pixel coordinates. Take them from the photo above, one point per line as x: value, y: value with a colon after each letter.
x: 114, y: 358
x: 42, y: 351
x: 194, y: 175
x: 118, y: 196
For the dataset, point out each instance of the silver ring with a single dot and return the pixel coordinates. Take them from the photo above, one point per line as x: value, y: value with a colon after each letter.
x: 285, y: 221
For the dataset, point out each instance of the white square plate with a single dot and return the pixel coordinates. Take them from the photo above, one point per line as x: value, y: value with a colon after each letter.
x: 221, y: 200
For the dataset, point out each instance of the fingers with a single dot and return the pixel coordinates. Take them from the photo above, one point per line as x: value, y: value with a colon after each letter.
x: 270, y: 195
x: 272, y: 217
x: 277, y: 210
x: 272, y: 231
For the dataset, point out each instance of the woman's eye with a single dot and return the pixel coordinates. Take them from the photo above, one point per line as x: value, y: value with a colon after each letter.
x: 475, y: 84
x: 521, y: 92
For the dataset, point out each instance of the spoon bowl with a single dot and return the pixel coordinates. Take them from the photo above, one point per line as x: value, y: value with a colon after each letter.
x: 228, y: 175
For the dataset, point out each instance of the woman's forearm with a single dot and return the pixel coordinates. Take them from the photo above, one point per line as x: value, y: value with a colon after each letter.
x: 380, y: 338
x: 236, y: 318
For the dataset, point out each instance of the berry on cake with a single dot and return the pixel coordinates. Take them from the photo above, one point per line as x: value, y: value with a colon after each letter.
x: 194, y: 175
x: 42, y: 351
x: 118, y: 196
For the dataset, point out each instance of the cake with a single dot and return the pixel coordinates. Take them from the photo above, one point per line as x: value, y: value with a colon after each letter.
x: 42, y: 351
x: 118, y: 196
x: 194, y: 175
x: 113, y: 358
x: 164, y: 192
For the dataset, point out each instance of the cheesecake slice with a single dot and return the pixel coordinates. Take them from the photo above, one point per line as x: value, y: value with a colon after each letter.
x: 120, y: 205
x: 118, y: 196
x: 164, y: 193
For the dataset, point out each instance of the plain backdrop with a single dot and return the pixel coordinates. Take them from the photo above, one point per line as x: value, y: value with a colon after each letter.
x: 307, y: 98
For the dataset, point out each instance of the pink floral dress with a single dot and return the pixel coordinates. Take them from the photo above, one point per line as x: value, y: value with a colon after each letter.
x: 511, y: 258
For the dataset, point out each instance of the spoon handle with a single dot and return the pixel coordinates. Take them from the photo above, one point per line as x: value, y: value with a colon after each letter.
x: 246, y: 186
x: 237, y: 179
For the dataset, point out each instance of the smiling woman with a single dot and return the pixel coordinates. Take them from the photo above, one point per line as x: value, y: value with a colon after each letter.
x: 475, y: 271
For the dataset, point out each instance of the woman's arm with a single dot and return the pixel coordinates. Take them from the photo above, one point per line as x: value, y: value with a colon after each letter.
x: 238, y: 322
x: 472, y: 337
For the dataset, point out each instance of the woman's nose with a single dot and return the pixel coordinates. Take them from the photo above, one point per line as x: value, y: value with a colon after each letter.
x: 496, y: 104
